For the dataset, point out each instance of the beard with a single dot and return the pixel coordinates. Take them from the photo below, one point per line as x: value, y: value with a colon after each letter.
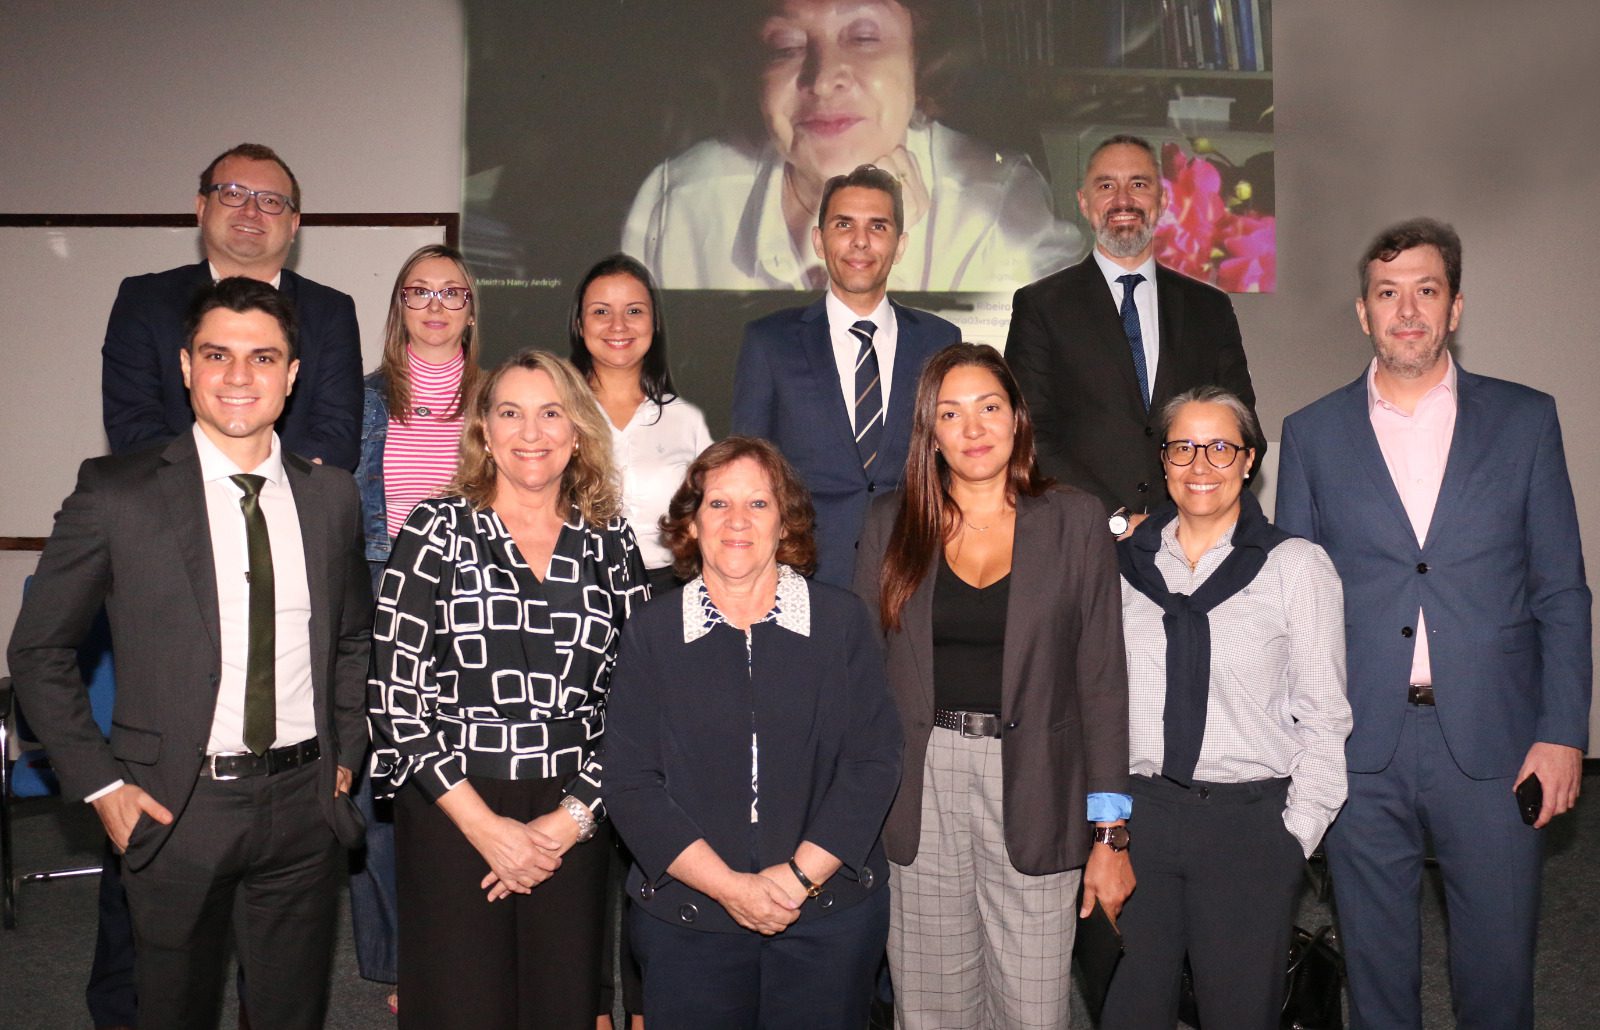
x: 1126, y: 242
x: 1410, y: 362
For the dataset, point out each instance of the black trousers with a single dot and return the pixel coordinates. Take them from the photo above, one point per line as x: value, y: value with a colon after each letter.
x: 1218, y: 876
x: 815, y: 974
x: 527, y: 962
x: 254, y: 857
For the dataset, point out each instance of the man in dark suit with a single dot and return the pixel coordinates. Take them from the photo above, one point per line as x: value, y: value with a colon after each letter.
x: 1443, y: 499
x: 248, y: 208
x: 239, y: 608
x: 1098, y: 348
x: 832, y: 384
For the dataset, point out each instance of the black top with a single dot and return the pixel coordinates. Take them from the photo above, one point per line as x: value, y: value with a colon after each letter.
x: 969, y: 641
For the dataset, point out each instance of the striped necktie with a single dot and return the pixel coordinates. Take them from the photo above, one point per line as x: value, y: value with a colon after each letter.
x: 869, y: 395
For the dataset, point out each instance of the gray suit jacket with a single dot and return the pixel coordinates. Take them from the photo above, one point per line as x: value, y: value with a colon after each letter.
x: 1064, y: 687
x: 134, y: 536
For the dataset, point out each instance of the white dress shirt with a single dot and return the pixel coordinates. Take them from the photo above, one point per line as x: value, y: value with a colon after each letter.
x: 1144, y: 301
x: 652, y: 452
x: 846, y: 347
x: 1277, y: 705
x: 276, y: 282
x: 230, y: 556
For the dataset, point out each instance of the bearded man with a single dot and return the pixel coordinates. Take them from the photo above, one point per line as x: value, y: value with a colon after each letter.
x: 1099, y: 347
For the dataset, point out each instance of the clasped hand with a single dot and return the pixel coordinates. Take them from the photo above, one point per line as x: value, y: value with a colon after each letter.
x: 757, y: 902
x: 520, y: 855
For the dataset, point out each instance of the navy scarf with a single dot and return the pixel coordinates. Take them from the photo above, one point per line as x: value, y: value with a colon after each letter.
x: 1187, y: 621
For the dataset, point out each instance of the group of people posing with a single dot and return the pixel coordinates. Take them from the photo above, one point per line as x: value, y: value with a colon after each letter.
x: 940, y: 650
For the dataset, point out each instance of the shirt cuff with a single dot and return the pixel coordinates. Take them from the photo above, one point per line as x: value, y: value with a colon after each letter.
x: 1108, y: 808
x: 103, y: 791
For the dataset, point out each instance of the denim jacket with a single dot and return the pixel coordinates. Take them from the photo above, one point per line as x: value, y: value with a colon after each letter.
x: 369, y: 471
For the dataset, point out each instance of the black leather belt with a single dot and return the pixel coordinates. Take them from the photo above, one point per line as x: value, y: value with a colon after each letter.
x: 236, y: 765
x: 1420, y: 694
x: 968, y: 724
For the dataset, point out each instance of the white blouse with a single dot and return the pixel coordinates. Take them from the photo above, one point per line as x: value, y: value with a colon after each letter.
x: 652, y: 453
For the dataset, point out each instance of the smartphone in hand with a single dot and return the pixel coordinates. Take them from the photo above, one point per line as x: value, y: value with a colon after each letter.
x: 1530, y: 798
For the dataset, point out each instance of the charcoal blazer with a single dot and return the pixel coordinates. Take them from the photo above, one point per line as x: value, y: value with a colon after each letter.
x: 1064, y: 685
x: 1070, y: 354
x: 786, y: 389
x: 134, y: 536
x: 142, y: 395
x: 1500, y: 575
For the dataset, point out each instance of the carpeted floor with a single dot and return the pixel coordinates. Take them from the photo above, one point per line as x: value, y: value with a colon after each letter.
x: 44, y: 962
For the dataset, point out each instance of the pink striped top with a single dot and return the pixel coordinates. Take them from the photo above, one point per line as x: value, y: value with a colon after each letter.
x: 419, y: 457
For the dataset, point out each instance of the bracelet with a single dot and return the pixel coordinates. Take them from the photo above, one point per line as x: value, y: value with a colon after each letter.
x: 812, y: 890
x: 581, y: 815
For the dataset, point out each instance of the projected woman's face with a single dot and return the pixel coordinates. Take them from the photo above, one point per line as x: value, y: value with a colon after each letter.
x: 838, y: 84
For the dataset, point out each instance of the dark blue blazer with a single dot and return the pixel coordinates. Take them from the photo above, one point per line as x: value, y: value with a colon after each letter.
x: 677, y: 751
x: 1500, y: 576
x: 141, y: 386
x: 786, y: 389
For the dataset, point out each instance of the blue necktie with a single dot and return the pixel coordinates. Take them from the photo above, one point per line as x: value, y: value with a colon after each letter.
x: 869, y: 395
x: 1130, y: 325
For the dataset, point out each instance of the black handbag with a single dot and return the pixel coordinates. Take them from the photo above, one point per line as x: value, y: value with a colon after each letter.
x: 1312, y: 999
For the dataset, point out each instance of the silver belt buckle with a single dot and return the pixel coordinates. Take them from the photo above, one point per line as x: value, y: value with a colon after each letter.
x: 978, y: 724
x: 211, y: 764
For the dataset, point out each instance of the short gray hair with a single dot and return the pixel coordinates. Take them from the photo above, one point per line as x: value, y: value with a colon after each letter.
x: 1249, y: 428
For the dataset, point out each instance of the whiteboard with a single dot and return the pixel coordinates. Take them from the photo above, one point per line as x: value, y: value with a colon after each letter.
x: 62, y: 281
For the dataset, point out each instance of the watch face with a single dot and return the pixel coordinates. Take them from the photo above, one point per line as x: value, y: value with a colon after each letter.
x: 1118, y: 524
x: 1114, y: 836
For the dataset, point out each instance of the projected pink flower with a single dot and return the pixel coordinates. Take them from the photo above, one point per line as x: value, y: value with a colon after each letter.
x: 1200, y: 237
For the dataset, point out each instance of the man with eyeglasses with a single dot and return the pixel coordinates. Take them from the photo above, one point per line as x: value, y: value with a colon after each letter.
x: 248, y: 209
x: 1098, y: 348
x: 1444, y: 501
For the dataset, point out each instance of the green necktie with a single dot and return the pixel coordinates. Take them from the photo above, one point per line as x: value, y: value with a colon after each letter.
x: 260, y: 681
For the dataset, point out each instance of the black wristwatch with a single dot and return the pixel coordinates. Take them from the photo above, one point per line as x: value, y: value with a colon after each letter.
x: 811, y: 889
x: 1114, y: 837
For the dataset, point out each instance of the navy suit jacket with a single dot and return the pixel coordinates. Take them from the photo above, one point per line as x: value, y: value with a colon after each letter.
x: 786, y: 389
x: 1500, y: 575
x: 142, y: 394
x: 1070, y: 354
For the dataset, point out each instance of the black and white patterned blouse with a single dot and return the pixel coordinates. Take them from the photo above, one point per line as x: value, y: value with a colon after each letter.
x: 479, y: 668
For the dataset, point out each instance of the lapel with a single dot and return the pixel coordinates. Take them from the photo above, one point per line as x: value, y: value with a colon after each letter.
x: 917, y: 622
x: 1030, y: 580
x: 183, y: 496
x: 315, y: 535
x: 1104, y: 325
x: 818, y: 346
x: 1169, y: 313
x: 1468, y: 444
x: 1357, y: 425
x: 902, y: 391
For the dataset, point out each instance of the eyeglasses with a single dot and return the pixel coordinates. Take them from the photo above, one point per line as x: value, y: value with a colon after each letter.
x: 451, y: 298
x: 231, y: 194
x: 1219, y: 453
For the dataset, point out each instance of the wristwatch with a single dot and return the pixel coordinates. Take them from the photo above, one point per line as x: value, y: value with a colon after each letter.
x: 1114, y: 837
x: 1118, y: 522
x: 811, y: 889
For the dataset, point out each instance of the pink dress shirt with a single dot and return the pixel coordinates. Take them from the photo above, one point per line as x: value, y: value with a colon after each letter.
x: 1416, y: 447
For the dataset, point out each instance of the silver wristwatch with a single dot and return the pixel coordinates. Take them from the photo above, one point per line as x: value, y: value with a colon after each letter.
x: 1118, y: 522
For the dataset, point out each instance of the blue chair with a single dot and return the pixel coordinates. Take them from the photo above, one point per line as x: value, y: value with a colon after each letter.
x: 28, y: 774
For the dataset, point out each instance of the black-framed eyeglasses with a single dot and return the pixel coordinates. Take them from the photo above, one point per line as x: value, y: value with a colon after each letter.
x: 451, y: 298
x: 1219, y: 453
x: 231, y: 194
